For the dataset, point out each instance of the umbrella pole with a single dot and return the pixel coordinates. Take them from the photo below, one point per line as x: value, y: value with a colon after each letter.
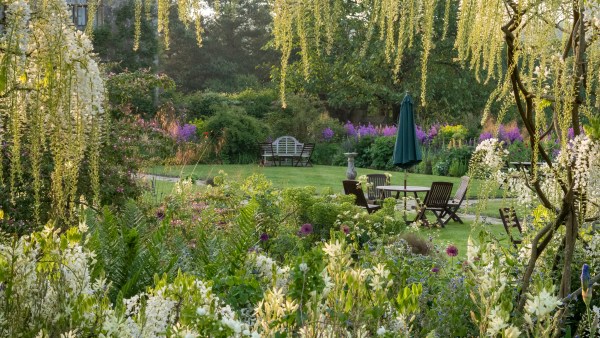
x: 405, y: 175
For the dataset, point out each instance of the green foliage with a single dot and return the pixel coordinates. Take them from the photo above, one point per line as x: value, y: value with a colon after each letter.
x: 328, y: 154
x: 518, y: 151
x: 453, y: 162
x: 236, y: 135
x: 202, y: 104
x: 382, y: 152
x: 240, y: 291
x: 362, y: 147
x: 136, y: 90
x: 129, y: 251
x: 256, y: 102
x: 296, y: 119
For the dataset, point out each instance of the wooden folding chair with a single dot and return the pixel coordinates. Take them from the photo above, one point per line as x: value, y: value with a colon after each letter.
x: 353, y: 187
x: 454, y: 204
x: 510, y: 220
x: 267, y: 155
x: 435, y: 201
x: 304, y: 157
x: 376, y: 180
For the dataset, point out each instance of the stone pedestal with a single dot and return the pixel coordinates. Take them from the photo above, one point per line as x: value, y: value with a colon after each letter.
x: 351, y: 171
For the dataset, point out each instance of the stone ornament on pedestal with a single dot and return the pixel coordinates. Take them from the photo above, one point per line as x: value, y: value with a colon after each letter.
x: 351, y: 171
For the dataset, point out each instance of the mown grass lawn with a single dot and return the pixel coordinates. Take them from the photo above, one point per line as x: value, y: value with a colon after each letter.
x: 322, y: 177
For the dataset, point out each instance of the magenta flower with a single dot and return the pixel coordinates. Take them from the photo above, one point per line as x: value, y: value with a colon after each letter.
x: 305, y: 229
x: 435, y: 269
x: 264, y: 237
x: 452, y: 251
x: 389, y: 131
x: 421, y: 135
x: 345, y: 229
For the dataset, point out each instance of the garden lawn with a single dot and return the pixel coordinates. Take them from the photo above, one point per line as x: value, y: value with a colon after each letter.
x: 322, y: 177
x: 491, y: 207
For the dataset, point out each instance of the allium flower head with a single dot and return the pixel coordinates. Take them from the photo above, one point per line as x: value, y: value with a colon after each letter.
x: 327, y: 134
x: 345, y: 229
x: 435, y: 269
x: 160, y: 214
x: 264, y: 237
x: 306, y: 229
x: 350, y: 129
x: 452, y: 250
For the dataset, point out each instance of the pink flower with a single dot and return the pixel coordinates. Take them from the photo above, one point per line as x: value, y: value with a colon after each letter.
x: 345, y: 229
x: 452, y: 251
x: 305, y: 229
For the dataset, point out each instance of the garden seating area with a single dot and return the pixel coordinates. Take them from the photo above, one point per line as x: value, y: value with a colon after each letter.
x: 286, y: 150
x: 437, y: 199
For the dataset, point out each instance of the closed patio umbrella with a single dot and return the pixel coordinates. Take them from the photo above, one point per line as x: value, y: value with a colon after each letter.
x: 407, y: 151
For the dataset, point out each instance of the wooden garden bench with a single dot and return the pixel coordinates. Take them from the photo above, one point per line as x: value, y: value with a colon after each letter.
x: 285, y: 148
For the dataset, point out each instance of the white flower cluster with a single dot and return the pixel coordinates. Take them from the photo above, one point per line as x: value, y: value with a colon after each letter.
x: 540, y: 305
x: 18, y: 13
x: 154, y: 313
x: 269, y: 270
x: 489, y: 156
x: 585, y: 153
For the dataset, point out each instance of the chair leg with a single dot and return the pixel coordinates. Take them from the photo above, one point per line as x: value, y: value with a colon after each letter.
x: 421, y: 217
x: 440, y: 221
x: 452, y: 215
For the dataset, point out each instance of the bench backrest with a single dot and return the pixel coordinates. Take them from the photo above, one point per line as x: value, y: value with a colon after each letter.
x: 287, y: 145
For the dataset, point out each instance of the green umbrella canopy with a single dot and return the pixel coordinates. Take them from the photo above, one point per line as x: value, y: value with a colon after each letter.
x: 407, y: 151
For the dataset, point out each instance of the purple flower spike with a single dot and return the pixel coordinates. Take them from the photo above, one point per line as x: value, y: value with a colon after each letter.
x: 306, y: 229
x: 485, y: 136
x: 452, y: 251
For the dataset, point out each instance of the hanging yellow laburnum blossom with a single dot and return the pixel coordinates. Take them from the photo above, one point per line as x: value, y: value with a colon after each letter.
x: 188, y: 11
x: 51, y: 104
x: 312, y: 24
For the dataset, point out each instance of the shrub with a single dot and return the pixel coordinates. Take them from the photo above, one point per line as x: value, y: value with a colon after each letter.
x: 235, y: 136
x: 417, y: 244
x: 362, y: 147
x: 256, y: 102
x: 136, y: 90
x: 295, y: 120
x: 382, y: 152
x: 518, y: 151
x: 203, y: 104
x: 327, y: 153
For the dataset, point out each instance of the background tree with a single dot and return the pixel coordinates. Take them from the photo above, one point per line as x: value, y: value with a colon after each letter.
x: 232, y: 57
x: 114, y: 41
x: 356, y: 79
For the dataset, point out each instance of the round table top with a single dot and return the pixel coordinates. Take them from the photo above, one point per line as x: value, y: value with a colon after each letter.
x: 401, y: 188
